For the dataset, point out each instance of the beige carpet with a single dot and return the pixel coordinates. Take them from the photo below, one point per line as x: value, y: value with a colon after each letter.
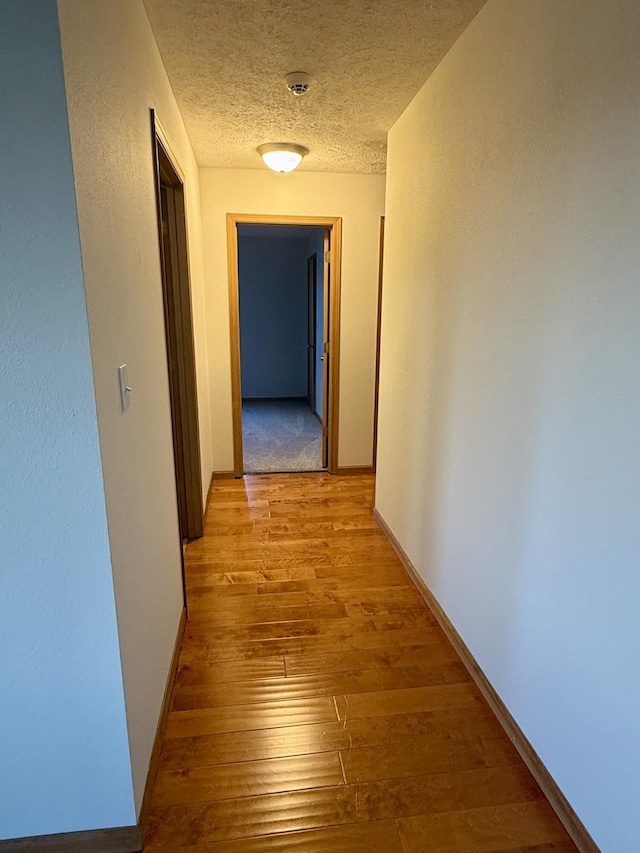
x: 280, y: 436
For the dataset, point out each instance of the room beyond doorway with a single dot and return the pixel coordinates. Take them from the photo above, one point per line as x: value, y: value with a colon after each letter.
x: 284, y: 279
x: 281, y: 293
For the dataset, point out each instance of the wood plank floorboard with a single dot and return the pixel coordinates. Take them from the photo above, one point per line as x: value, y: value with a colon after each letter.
x: 318, y: 707
x: 380, y: 836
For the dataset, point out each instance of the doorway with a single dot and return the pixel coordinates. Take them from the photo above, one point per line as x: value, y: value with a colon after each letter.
x: 376, y: 387
x: 179, y: 336
x: 284, y: 281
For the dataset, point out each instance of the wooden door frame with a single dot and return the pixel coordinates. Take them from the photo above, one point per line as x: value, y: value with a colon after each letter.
x: 376, y: 391
x: 334, y: 224
x: 325, y: 417
x: 180, y: 346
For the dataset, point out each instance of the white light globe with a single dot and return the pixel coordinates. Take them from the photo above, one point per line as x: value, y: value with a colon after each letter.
x: 282, y: 156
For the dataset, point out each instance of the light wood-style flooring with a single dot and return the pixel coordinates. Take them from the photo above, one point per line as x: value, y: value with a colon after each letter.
x: 318, y: 707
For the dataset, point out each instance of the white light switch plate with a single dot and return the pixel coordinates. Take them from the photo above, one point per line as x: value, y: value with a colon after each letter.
x: 125, y: 390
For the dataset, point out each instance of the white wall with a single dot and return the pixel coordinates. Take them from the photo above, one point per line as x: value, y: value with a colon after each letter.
x: 64, y: 755
x: 113, y: 75
x: 359, y: 199
x: 508, y: 462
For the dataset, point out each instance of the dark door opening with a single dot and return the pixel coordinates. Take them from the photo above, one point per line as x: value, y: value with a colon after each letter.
x: 378, y: 333
x: 179, y: 339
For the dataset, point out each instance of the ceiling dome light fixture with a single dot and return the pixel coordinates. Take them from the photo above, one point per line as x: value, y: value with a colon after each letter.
x: 282, y: 156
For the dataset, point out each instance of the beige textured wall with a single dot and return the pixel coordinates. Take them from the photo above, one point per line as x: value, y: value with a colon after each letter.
x: 113, y: 75
x: 508, y: 461
x: 359, y: 200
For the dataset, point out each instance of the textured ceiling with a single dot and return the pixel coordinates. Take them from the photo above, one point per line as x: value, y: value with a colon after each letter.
x: 227, y: 60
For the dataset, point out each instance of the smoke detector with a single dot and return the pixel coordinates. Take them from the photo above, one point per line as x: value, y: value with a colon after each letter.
x: 298, y: 82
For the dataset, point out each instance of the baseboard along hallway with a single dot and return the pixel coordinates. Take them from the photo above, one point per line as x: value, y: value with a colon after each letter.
x: 318, y: 706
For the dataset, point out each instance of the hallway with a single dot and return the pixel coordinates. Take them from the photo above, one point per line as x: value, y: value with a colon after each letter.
x: 318, y: 707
